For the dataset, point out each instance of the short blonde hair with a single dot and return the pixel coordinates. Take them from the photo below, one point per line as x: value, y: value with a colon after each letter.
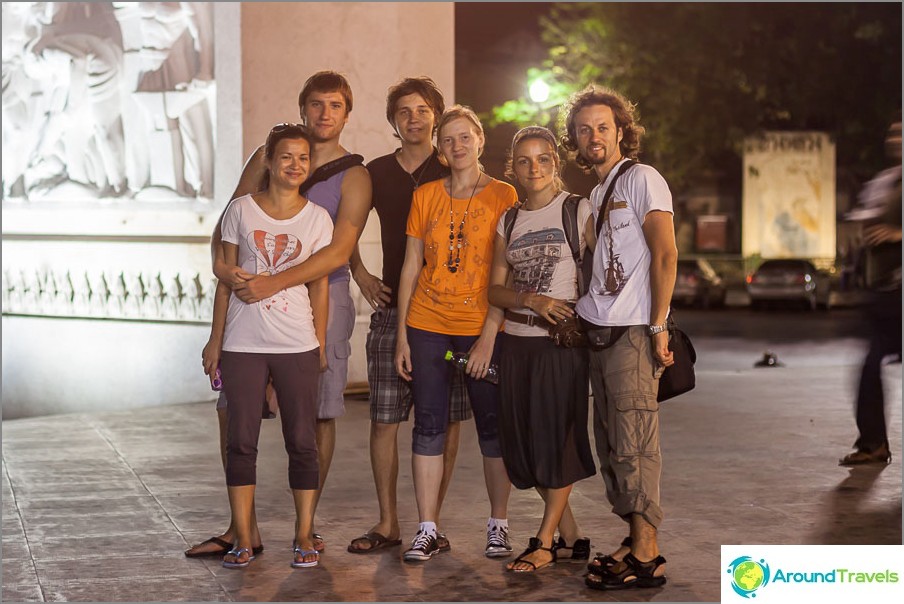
x: 453, y: 113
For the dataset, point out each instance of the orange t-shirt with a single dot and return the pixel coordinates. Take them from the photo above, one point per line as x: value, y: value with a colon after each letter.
x: 445, y: 302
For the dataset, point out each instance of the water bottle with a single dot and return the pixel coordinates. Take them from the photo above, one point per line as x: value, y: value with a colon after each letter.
x: 216, y: 382
x: 460, y: 360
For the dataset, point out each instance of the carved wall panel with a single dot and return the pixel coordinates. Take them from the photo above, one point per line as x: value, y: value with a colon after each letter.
x: 108, y: 100
x: 138, y: 296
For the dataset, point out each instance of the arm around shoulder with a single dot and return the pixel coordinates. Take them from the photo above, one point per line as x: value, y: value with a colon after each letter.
x: 319, y: 294
x: 252, y: 174
x: 350, y: 220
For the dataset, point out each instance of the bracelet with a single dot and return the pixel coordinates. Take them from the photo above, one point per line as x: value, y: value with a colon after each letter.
x: 519, y: 299
x: 654, y: 329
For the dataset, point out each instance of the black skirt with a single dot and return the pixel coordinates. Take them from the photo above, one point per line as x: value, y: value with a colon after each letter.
x: 543, y: 408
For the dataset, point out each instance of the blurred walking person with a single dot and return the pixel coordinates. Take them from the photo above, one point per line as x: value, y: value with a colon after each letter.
x: 880, y: 210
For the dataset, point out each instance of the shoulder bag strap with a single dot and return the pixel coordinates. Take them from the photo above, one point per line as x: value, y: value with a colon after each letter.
x: 604, y: 206
x: 573, y: 235
x: 509, y: 223
x: 330, y: 169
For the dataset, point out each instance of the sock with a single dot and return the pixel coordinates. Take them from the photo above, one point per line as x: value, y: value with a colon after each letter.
x: 497, y: 522
x: 428, y: 528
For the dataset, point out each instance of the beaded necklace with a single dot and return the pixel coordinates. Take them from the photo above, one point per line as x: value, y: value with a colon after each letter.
x: 456, y: 240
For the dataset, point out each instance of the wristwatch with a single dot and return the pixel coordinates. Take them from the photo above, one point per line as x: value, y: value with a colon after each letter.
x: 654, y: 329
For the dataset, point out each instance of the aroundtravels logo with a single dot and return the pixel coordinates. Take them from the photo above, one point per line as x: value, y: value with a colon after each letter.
x: 780, y: 574
x: 748, y: 575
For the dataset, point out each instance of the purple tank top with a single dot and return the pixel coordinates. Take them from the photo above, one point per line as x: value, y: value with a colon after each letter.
x: 327, y: 194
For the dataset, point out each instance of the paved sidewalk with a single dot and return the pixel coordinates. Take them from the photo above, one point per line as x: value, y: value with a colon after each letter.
x: 99, y: 507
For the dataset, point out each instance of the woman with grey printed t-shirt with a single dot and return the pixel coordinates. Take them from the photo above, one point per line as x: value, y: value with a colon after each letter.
x: 543, y: 387
x: 281, y: 337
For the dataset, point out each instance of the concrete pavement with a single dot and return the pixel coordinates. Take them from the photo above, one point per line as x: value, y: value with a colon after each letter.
x: 100, y: 506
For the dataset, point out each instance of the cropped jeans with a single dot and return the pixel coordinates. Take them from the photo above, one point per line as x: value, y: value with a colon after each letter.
x: 431, y: 375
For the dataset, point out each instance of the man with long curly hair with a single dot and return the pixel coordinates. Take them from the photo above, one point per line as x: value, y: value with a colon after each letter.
x: 625, y: 310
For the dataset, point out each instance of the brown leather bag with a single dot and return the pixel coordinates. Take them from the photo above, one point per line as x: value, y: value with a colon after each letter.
x: 568, y: 333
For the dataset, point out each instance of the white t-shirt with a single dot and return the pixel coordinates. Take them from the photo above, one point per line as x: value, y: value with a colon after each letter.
x: 624, y: 297
x: 283, y: 323
x: 540, y: 257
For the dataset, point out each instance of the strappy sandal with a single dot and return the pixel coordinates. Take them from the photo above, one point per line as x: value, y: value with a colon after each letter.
x: 298, y: 551
x: 633, y: 574
x: 238, y: 552
x: 580, y: 549
x: 604, y: 561
x: 533, y: 545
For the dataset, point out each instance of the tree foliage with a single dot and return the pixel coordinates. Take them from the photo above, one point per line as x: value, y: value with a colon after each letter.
x: 705, y: 75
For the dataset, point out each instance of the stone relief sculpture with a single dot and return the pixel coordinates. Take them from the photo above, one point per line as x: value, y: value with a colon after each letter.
x: 108, y: 294
x: 108, y: 100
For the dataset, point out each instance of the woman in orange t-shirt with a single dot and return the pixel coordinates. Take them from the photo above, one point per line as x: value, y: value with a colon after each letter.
x: 443, y: 297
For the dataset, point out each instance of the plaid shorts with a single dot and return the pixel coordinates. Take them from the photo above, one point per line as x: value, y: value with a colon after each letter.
x: 390, y: 395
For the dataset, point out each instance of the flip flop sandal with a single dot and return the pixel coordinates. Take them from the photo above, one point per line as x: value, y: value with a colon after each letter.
x: 634, y: 574
x: 376, y: 541
x: 225, y: 546
x: 533, y: 545
x: 238, y: 552
x: 606, y: 560
x: 319, y: 543
x: 298, y: 551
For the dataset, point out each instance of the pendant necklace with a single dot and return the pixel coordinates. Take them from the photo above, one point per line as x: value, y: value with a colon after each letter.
x: 456, y: 240
x: 417, y: 182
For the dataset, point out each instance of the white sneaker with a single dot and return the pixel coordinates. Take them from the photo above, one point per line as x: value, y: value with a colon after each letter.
x: 497, y: 542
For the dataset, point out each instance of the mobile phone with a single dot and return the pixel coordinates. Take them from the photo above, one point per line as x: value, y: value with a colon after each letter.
x: 216, y: 383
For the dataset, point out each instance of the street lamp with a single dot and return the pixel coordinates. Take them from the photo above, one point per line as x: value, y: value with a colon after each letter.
x: 539, y: 91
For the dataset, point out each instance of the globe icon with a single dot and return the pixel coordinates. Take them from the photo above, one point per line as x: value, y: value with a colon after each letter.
x: 748, y: 575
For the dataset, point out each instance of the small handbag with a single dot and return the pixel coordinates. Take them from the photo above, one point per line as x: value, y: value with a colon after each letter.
x: 679, y: 377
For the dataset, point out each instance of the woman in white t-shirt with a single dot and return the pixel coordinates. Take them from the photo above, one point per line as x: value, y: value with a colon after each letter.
x: 280, y: 337
x: 543, y: 387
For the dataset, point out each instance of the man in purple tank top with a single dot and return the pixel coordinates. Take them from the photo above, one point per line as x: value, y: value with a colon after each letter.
x: 324, y: 103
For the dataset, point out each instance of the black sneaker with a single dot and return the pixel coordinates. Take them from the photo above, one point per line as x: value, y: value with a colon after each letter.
x: 497, y: 542
x: 423, y: 547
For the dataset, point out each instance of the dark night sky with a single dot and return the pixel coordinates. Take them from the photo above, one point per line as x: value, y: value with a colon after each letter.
x: 495, y: 44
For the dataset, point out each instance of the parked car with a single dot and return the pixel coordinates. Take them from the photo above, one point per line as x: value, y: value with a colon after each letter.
x: 698, y: 284
x: 789, y: 280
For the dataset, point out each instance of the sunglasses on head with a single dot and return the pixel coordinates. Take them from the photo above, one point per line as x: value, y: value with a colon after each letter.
x: 285, y: 126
